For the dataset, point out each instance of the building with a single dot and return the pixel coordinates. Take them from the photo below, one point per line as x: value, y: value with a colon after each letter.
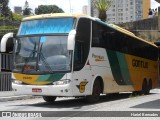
x: 18, y: 10
x: 122, y: 11
x: 94, y: 12
x: 85, y: 10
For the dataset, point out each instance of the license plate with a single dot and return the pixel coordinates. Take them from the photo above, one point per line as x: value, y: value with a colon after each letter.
x: 39, y: 90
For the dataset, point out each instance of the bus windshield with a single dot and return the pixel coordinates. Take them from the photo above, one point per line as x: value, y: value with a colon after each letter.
x: 46, y: 26
x: 42, y: 54
x: 41, y: 46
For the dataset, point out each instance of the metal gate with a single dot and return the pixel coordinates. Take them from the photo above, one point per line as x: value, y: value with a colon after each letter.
x: 6, y: 62
x: 5, y: 81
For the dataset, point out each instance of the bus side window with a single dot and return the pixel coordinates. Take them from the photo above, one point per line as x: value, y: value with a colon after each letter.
x: 82, y: 43
x: 78, y: 53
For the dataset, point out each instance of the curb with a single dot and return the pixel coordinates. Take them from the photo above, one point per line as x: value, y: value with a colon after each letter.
x: 12, y: 98
x: 9, y: 96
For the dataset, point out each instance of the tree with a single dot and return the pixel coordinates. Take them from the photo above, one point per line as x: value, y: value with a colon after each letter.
x: 5, y: 10
x: 102, y: 6
x: 27, y: 10
x: 17, y: 17
x: 44, y: 9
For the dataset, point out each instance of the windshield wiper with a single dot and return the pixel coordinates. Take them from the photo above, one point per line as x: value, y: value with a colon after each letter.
x: 33, y: 52
x: 41, y: 56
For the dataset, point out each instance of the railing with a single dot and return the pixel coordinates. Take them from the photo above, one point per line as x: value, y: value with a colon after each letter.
x: 5, y: 77
x: 5, y: 81
x: 6, y: 62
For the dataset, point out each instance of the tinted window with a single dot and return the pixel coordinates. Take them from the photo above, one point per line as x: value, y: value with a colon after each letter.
x: 106, y: 37
x: 82, y: 43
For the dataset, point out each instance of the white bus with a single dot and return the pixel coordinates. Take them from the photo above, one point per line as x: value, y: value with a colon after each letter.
x: 75, y: 55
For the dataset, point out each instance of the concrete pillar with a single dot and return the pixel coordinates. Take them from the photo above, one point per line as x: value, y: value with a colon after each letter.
x: 159, y: 18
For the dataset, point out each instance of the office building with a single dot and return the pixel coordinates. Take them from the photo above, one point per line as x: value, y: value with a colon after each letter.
x: 122, y: 11
x: 85, y: 10
x: 17, y: 10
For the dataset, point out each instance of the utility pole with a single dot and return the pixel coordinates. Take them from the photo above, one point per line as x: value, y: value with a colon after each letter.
x: 159, y: 18
x: 70, y: 6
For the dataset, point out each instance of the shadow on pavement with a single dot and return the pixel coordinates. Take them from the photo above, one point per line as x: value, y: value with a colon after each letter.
x: 77, y: 103
x: 149, y: 105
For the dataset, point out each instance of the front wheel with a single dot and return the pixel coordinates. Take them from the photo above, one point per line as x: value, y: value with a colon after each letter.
x: 95, y: 93
x: 49, y: 99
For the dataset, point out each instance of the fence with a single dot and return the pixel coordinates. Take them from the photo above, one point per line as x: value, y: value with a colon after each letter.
x: 6, y: 62
x: 5, y: 77
x: 5, y: 81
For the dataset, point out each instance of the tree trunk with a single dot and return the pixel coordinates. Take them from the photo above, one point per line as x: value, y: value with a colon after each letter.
x: 102, y: 15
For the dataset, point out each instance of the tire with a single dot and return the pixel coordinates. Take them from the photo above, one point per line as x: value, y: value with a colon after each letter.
x: 135, y: 93
x: 145, y: 88
x: 95, y: 93
x: 150, y: 84
x: 49, y: 99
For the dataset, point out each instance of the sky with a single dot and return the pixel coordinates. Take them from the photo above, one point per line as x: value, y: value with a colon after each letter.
x: 154, y: 4
x: 73, y: 6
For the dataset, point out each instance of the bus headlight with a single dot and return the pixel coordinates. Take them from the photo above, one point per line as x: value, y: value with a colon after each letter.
x: 16, y: 81
x: 62, y: 82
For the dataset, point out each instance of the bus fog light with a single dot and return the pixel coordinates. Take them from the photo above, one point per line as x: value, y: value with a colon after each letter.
x: 17, y: 82
x: 62, y: 82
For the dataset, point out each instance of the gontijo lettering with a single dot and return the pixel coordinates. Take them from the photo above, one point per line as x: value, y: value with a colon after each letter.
x: 139, y: 63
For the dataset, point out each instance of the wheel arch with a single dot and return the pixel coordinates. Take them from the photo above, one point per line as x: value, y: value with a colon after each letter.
x: 100, y: 79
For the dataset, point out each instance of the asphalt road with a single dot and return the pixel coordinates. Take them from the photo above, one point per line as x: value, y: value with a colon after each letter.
x: 122, y: 106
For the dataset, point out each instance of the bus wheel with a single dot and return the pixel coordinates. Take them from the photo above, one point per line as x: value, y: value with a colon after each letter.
x: 149, y: 85
x: 95, y: 93
x: 49, y: 99
x: 145, y: 89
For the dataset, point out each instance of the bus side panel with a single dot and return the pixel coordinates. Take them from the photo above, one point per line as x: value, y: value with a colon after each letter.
x: 113, y: 69
x: 81, y: 81
x: 129, y: 70
x: 141, y: 69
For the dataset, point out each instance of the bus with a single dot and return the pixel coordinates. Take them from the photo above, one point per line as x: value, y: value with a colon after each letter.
x: 74, y: 55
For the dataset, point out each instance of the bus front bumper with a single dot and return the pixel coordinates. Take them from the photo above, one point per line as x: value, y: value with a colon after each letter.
x: 42, y: 90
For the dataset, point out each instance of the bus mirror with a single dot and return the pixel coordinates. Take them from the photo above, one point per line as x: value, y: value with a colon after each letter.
x: 71, y: 40
x: 4, y: 40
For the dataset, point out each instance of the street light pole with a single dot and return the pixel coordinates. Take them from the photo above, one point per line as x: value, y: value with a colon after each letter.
x: 70, y: 6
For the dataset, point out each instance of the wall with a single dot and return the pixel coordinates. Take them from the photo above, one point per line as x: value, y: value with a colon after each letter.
x: 146, y: 29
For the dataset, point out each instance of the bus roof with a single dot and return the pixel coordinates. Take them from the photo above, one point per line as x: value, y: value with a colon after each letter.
x: 53, y: 15
x: 57, y: 15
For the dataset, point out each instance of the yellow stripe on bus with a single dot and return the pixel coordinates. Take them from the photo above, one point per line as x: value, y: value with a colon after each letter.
x: 29, y: 79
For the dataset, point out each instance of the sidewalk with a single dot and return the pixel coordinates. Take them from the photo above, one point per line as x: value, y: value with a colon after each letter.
x: 9, y: 96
